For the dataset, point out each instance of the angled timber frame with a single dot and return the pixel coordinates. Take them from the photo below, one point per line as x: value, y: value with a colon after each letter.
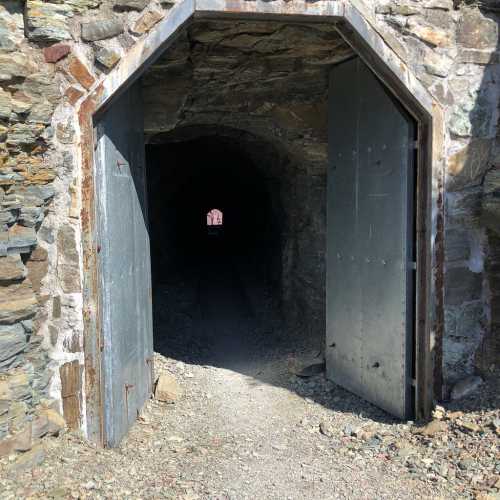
x: 386, y: 58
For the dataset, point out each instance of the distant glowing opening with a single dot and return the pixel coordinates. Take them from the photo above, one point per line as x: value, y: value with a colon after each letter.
x: 214, y: 217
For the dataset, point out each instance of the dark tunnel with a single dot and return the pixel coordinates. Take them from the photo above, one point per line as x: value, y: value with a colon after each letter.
x: 216, y: 289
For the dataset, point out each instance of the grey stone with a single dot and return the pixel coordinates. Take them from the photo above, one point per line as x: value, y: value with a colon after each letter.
x: 17, y: 302
x: 462, y: 285
x: 130, y: 4
x: 41, y: 112
x: 12, y: 268
x: 101, y: 29
x: 468, y: 166
x: 466, y: 387
x: 12, y: 343
x: 24, y: 134
x: 48, y: 22
x: 68, y: 260
x: 17, y: 65
x: 18, y: 238
x: 476, y: 31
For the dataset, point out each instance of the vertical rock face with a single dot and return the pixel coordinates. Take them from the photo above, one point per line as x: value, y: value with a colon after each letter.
x: 46, y: 68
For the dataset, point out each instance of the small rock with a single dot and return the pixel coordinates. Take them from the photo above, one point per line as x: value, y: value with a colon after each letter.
x: 30, y: 459
x: 438, y: 413
x: 465, y: 387
x: 325, y: 429
x: 432, y: 428
x: 167, y: 388
x: 470, y: 426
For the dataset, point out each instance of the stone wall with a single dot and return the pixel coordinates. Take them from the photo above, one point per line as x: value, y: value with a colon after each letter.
x: 52, y: 52
x: 453, y: 49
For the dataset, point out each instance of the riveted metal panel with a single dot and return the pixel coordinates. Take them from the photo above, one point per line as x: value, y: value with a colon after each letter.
x: 124, y: 264
x: 370, y: 240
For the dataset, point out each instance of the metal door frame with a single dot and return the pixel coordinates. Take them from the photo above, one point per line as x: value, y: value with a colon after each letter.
x: 385, y: 60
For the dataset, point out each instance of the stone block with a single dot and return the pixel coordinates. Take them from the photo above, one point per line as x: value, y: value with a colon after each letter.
x: 24, y: 134
x: 68, y: 268
x: 72, y: 94
x: 13, y: 342
x: 18, y: 239
x: 468, y: 166
x: 476, y: 31
x: 48, y: 21
x: 56, y: 422
x: 80, y: 73
x: 101, y: 29
x: 40, y: 426
x: 462, y: 285
x: 121, y: 5
x: 16, y: 65
x: 37, y: 270
x: 435, y: 37
x: 147, y: 20
x: 56, y: 52
x: 17, y: 302
x: 107, y: 57
x: 12, y: 268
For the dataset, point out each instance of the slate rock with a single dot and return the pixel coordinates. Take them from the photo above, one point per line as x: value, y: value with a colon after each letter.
x: 17, y: 302
x: 47, y: 21
x: 12, y: 268
x: 13, y: 341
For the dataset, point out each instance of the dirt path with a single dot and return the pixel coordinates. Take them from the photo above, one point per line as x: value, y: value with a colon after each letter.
x: 234, y: 436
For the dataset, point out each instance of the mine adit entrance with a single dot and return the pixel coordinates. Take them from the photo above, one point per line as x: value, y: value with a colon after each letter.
x: 216, y: 281
x: 310, y: 161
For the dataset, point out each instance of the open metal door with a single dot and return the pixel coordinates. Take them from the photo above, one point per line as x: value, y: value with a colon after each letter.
x: 370, y: 255
x: 124, y: 264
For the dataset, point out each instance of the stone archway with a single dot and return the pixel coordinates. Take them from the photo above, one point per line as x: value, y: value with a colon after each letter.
x: 384, y: 61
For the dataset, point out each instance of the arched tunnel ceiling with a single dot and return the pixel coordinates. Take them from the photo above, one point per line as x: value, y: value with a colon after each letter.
x: 219, y: 67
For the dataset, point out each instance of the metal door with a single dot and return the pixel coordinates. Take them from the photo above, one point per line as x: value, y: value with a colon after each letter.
x: 370, y: 240
x: 124, y: 264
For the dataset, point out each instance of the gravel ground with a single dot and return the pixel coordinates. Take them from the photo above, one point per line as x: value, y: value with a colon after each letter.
x: 267, y: 434
x: 247, y: 427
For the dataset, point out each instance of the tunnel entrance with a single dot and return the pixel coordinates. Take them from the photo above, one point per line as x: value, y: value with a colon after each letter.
x: 311, y: 162
x: 216, y: 272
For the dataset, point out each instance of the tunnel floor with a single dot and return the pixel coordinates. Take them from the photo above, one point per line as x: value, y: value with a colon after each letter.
x: 212, y: 314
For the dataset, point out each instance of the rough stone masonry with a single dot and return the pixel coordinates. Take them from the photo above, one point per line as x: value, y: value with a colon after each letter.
x: 52, y: 52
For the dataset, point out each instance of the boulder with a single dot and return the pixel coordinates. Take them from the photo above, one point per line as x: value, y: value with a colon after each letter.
x: 167, y: 389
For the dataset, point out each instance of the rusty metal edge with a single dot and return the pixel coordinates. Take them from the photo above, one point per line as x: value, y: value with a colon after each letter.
x: 91, y: 317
